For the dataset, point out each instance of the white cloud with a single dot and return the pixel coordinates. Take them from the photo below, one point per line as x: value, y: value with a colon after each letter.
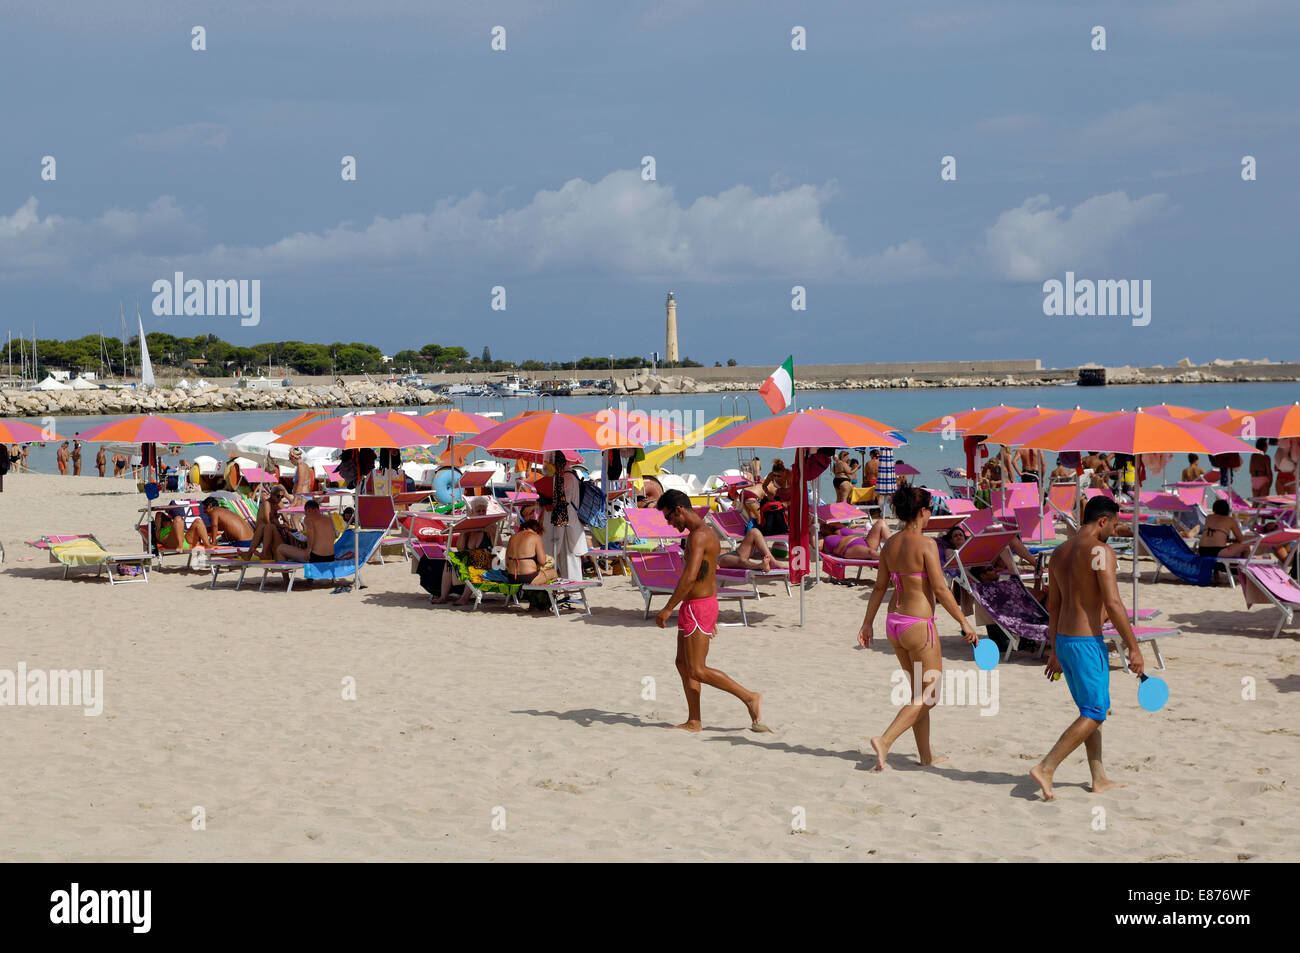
x: 619, y: 225
x: 1035, y: 240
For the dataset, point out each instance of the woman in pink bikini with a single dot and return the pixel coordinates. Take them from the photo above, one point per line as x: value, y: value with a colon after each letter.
x: 910, y: 560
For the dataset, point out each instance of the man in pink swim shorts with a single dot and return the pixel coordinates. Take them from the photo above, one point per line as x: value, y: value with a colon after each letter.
x: 697, y: 621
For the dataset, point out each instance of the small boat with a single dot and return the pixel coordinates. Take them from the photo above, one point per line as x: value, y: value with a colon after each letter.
x: 513, y: 386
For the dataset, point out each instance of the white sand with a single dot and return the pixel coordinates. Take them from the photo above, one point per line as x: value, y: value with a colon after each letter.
x: 232, y: 701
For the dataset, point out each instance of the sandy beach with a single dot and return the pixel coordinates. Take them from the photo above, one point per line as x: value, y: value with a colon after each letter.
x: 233, y: 702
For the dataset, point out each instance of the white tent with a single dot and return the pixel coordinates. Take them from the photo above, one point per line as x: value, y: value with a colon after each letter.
x: 51, y: 384
x: 82, y: 384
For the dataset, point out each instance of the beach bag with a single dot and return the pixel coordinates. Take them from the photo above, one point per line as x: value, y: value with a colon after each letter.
x: 591, y: 504
x: 774, y: 521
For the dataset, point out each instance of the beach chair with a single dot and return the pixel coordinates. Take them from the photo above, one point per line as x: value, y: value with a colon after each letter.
x: 563, y: 590
x: 348, y: 561
x: 379, y: 512
x: 1265, y: 583
x: 731, y: 526
x: 837, y: 567
x: 839, y: 514
x: 1034, y: 530
x: 1167, y: 547
x: 655, y: 575
x: 84, y: 550
x: 1007, y: 604
x: 479, y: 587
x: 961, y: 507
x: 733, y: 577
x: 1063, y: 502
x: 651, y: 526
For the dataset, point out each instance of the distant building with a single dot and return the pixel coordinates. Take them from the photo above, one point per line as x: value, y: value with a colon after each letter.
x: 670, y: 346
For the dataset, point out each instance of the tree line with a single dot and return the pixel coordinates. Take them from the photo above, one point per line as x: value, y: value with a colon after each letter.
x: 208, y: 356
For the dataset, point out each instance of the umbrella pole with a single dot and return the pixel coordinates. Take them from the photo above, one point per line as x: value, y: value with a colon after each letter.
x: 1137, y: 507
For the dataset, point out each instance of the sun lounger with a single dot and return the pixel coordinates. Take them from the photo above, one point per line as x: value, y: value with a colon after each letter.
x: 565, y: 588
x: 85, y: 550
x: 654, y: 575
x: 731, y: 524
x: 650, y: 525
x: 348, y: 562
x: 1170, y: 551
x: 837, y: 567
x: 1263, y: 582
x: 478, y: 589
x: 1007, y: 604
x: 841, y: 514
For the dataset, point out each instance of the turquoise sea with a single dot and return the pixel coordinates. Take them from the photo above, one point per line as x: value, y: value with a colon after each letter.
x: 903, y: 408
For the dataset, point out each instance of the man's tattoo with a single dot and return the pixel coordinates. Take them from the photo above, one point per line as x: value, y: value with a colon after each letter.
x: 704, y: 571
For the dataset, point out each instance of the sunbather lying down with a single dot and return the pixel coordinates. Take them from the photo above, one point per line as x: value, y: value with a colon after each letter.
x: 752, y: 553
x: 856, y: 542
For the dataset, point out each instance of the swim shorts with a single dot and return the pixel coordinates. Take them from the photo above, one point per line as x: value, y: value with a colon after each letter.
x: 698, y: 615
x: 1086, y: 666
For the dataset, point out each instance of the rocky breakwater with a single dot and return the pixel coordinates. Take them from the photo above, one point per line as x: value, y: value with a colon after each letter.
x: 643, y: 383
x: 92, y: 403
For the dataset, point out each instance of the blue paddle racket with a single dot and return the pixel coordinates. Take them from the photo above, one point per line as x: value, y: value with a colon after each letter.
x: 1153, y: 692
x: 986, y: 654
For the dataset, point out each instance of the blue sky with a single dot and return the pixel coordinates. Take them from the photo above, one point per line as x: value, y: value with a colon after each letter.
x: 774, y: 168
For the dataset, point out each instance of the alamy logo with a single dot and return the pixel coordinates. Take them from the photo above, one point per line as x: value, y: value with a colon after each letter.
x: 212, y: 299
x: 57, y: 687
x: 1127, y: 298
x: 132, y: 907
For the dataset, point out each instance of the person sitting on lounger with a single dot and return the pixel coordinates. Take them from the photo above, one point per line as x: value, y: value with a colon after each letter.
x: 223, y: 522
x: 1062, y: 473
x: 1193, y: 471
x: 651, y: 490
x: 956, y: 538
x: 170, y: 533
x: 271, y: 528
x: 319, y: 530
x: 752, y: 553
x: 527, y: 563
x: 1222, y: 535
x: 475, y: 550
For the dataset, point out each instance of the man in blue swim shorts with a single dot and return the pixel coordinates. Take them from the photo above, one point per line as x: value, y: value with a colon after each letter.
x: 1083, y: 594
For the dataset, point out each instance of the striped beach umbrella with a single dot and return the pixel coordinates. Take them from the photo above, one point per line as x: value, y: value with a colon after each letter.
x: 636, y: 425
x: 151, y: 428
x: 1135, y: 433
x: 804, y: 429
x: 15, y: 431
x: 977, y: 420
x: 359, y: 431
x: 550, y: 431
x: 460, y: 422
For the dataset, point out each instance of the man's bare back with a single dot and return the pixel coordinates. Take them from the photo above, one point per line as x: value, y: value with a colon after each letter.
x: 1073, y: 571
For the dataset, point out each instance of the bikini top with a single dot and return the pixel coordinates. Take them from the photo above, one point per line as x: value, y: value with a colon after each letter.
x: 898, y: 589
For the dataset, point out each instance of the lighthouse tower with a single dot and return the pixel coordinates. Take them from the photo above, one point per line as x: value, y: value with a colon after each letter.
x: 670, y: 347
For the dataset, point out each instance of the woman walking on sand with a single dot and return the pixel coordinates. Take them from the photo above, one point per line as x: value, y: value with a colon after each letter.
x: 911, y: 561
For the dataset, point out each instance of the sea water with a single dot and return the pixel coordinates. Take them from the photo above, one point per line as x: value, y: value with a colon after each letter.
x: 903, y: 408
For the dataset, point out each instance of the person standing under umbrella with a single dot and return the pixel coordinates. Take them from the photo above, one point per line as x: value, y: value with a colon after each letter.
x: 568, y: 541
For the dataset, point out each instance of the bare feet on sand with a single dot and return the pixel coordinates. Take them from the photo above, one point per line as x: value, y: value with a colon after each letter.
x: 878, y: 746
x: 689, y: 726
x: 1044, y: 779
x: 1105, y: 784
x: 935, y: 759
x: 755, y: 706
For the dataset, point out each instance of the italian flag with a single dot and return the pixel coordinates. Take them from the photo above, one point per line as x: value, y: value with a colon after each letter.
x: 778, y: 390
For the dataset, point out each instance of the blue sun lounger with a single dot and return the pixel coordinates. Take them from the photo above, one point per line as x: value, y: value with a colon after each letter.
x: 1171, y: 551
